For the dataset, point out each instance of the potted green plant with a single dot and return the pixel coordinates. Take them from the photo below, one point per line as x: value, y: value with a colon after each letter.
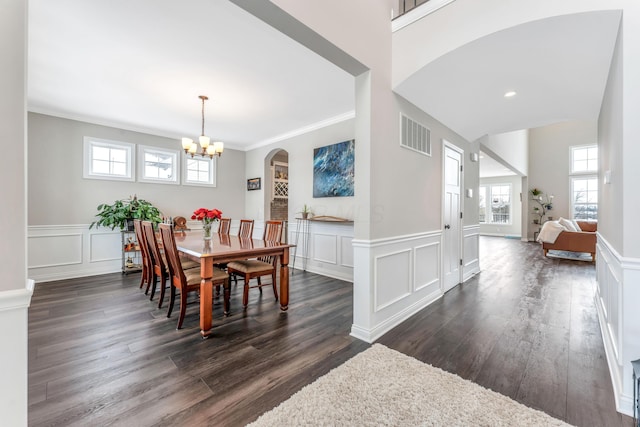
x: 306, y: 211
x: 121, y: 213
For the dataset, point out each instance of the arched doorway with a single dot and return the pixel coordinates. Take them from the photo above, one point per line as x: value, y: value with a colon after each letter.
x: 276, y: 193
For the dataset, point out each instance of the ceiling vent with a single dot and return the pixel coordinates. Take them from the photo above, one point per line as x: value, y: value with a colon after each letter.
x: 414, y: 136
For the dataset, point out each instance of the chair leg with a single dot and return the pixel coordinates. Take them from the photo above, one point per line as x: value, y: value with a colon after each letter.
x: 183, y: 307
x: 172, y: 300
x: 273, y: 282
x: 245, y: 292
x: 143, y: 276
x: 227, y: 294
x: 259, y: 285
x: 163, y: 285
x: 151, y: 285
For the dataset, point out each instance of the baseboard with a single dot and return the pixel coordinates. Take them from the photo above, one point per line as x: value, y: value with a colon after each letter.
x: 382, y: 328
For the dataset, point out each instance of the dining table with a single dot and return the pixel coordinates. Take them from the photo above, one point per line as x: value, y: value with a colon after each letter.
x: 223, y: 248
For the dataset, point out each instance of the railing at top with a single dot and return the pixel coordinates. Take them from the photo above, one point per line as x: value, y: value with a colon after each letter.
x: 407, y: 5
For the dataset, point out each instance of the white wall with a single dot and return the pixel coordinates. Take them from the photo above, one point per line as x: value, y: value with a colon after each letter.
x: 509, y: 148
x: 618, y: 248
x: 15, y: 292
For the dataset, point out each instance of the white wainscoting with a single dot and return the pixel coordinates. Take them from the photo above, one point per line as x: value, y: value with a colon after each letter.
x: 396, y: 278
x: 58, y: 252
x: 329, y: 247
x: 14, y: 306
x: 471, y: 251
x: 616, y: 298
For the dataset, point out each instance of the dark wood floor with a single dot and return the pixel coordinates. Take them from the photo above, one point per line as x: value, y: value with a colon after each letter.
x: 100, y: 353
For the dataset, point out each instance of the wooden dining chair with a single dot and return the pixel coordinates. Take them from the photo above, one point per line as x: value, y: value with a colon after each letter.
x: 187, y: 280
x: 159, y: 265
x: 224, y: 226
x: 263, y: 266
x: 246, y: 228
x: 244, y: 232
x: 145, y: 278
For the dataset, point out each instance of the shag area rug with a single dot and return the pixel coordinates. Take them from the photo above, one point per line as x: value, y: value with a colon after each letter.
x: 382, y: 387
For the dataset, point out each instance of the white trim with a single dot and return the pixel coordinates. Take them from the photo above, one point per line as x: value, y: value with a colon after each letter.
x: 361, y: 243
x: 175, y: 154
x: 301, y: 131
x: 14, y: 299
x: 376, y: 306
x: 417, y: 13
x: 213, y: 171
x: 89, y: 142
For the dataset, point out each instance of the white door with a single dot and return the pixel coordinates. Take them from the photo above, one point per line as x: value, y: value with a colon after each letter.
x: 452, y: 223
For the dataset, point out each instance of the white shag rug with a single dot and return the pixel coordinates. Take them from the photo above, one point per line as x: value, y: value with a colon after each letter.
x: 382, y: 387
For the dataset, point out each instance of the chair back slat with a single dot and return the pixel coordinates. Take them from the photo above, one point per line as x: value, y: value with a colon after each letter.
x: 173, y: 258
x: 272, y: 231
x: 246, y: 228
x: 154, y: 249
x: 224, y: 226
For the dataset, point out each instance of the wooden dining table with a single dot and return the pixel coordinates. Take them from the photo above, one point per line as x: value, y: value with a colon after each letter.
x: 223, y: 249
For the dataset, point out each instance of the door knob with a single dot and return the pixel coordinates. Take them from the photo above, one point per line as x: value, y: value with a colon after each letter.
x: 447, y: 226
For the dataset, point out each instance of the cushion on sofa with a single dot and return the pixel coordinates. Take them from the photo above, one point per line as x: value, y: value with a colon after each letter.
x: 567, y: 224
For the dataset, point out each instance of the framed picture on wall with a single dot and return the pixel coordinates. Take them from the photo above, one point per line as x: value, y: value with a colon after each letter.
x: 333, y: 170
x: 253, y: 184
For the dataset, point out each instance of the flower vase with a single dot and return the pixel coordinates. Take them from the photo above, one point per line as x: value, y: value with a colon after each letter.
x: 206, y: 230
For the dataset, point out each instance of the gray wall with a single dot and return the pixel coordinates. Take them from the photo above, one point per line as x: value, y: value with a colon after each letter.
x: 415, y: 180
x: 549, y: 161
x: 59, y: 195
x: 610, y: 139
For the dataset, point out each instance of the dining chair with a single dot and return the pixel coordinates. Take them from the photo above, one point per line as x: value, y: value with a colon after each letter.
x: 159, y: 266
x: 145, y: 278
x: 244, y: 232
x: 263, y: 266
x: 187, y: 280
x: 224, y: 226
x: 246, y: 228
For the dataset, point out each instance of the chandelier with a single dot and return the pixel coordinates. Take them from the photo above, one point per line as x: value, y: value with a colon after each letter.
x: 208, y: 148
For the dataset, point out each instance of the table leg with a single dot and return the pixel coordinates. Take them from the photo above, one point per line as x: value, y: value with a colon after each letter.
x: 206, y: 296
x: 284, y: 280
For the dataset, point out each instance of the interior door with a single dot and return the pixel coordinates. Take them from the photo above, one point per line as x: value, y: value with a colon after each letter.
x: 452, y: 222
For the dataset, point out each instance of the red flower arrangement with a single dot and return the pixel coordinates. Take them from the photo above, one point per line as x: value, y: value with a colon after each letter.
x: 207, y: 216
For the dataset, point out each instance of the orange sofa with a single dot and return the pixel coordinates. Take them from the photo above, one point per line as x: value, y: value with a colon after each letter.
x: 576, y: 241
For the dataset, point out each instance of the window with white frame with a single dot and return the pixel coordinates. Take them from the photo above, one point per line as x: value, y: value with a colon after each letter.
x: 105, y: 159
x: 199, y: 171
x: 495, y: 204
x: 158, y: 165
x: 584, y: 182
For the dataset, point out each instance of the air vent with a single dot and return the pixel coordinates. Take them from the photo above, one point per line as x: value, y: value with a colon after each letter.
x: 415, y: 136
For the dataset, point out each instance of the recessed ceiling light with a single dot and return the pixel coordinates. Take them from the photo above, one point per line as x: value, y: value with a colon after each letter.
x: 510, y: 94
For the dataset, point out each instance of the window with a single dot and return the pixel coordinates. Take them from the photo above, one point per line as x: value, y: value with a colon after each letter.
x: 584, y: 182
x: 584, y: 197
x: 157, y: 165
x: 496, y: 208
x: 104, y: 159
x: 199, y: 171
x: 584, y: 159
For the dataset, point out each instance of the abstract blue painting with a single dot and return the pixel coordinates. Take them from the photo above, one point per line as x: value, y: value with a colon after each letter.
x: 333, y: 170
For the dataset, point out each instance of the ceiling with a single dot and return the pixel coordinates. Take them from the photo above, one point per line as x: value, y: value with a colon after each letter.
x: 558, y: 67
x: 491, y: 168
x: 142, y: 65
